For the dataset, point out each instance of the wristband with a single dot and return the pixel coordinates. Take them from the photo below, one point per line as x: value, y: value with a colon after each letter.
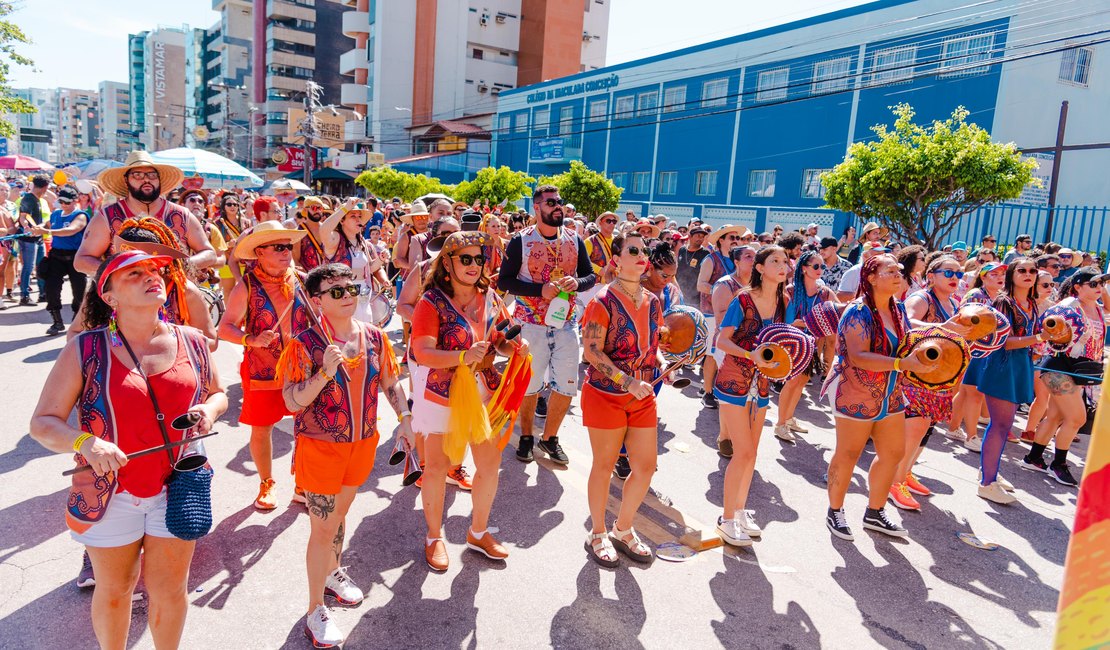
x: 80, y: 441
x: 897, y: 364
x: 462, y: 357
x: 243, y: 341
x: 618, y: 378
x: 403, y: 414
x: 324, y: 372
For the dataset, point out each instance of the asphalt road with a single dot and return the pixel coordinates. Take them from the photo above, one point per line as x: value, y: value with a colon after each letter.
x: 796, y: 588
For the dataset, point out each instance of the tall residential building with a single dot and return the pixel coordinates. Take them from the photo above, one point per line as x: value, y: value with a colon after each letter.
x: 166, y: 78
x: 430, y: 61
x: 115, y: 116
x: 78, y: 124
x: 294, y: 41
x: 37, y: 133
x: 227, y: 80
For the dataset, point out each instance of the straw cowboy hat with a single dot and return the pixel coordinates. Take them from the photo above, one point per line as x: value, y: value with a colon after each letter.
x: 871, y: 225
x: 114, y: 181
x: 715, y: 236
x: 419, y: 209
x: 647, y: 223
x: 265, y: 233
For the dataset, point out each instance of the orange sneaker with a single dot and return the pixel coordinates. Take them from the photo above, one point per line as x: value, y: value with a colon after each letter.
x: 915, y: 486
x: 486, y: 545
x: 902, y: 498
x: 458, y: 476
x: 265, y: 499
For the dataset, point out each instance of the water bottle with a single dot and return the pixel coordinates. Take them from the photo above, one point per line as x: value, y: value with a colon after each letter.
x: 558, y: 311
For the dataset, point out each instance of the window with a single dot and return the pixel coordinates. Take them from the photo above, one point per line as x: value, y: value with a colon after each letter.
x: 641, y: 182
x: 761, y: 182
x: 625, y: 106
x: 772, y: 84
x: 566, y: 120
x: 521, y: 122
x: 893, y: 64
x: 714, y: 93
x: 674, y: 99
x: 598, y: 107
x: 811, y: 184
x: 620, y: 179
x: 647, y: 103
x: 668, y: 183
x: 1075, y: 67
x: 543, y: 115
x: 705, y: 183
x: 477, y: 54
x: 503, y: 124
x: 960, y: 53
x: 831, y: 76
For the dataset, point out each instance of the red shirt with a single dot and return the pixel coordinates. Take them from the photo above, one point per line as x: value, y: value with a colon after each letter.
x: 137, y: 428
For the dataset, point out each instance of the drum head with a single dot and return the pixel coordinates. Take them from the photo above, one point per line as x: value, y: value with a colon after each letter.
x: 1074, y: 327
x: 215, y: 302
x: 381, y: 309
x: 950, y: 351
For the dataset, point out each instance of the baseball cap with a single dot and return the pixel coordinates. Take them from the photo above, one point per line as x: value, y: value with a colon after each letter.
x: 828, y: 241
x: 991, y: 266
x: 959, y: 246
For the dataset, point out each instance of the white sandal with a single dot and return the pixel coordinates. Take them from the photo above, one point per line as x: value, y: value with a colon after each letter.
x: 601, y: 550
x: 635, y: 549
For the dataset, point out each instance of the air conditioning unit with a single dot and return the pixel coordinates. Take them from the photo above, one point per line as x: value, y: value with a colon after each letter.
x: 500, y: 19
x: 482, y: 87
x: 495, y: 91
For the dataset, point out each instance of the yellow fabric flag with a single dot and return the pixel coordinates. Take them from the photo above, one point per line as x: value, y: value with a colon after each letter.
x: 1083, y: 614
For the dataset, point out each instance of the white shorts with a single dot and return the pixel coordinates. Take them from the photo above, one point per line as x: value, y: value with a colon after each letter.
x: 129, y: 519
x: 427, y: 416
x: 555, y: 352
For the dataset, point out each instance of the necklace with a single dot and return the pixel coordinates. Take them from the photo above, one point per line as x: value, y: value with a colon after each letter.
x: 555, y: 249
x: 635, y: 297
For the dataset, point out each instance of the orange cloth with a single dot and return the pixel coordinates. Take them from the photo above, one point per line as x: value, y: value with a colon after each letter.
x: 324, y: 467
x: 262, y: 407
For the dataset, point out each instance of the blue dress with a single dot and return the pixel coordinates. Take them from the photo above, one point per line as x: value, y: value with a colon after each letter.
x: 1008, y: 374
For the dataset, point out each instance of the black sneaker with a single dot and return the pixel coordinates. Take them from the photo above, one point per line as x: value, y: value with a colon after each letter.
x: 541, y: 407
x: 622, y: 468
x: 701, y: 392
x: 777, y: 386
x: 1034, y: 464
x: 1062, y: 474
x: 709, y: 401
x: 838, y: 525
x: 25, y: 301
x: 524, y: 449
x: 42, y: 298
x: 553, y: 450
x: 876, y: 520
x: 85, y: 578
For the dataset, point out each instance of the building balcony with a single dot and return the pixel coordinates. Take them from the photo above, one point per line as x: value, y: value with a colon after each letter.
x: 352, y: 60
x: 356, y: 22
x: 354, y: 130
x: 283, y: 9
x: 290, y: 35
x: 353, y: 94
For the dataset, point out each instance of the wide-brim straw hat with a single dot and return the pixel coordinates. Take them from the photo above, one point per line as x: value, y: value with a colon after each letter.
x: 419, y: 209
x: 716, y: 235
x: 113, y: 180
x: 265, y: 233
x: 647, y: 223
x: 871, y: 225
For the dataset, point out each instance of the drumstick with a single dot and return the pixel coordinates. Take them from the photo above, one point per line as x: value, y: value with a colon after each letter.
x: 669, y: 369
x: 146, y: 452
x: 285, y: 312
x: 317, y: 324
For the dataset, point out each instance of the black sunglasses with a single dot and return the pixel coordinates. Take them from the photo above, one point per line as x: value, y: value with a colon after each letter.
x: 636, y: 250
x: 194, y: 199
x: 817, y: 267
x: 553, y: 202
x: 608, y: 221
x: 467, y: 260
x: 279, y: 248
x: 1094, y: 284
x: 337, y: 292
x: 231, y: 204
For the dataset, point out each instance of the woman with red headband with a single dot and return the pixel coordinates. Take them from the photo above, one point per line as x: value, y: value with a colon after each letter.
x: 865, y: 392
x: 120, y: 375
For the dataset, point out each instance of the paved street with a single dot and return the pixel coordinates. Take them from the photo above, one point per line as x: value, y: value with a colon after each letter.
x: 796, y: 588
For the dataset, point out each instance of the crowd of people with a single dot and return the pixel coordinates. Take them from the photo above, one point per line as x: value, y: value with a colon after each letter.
x: 497, y: 311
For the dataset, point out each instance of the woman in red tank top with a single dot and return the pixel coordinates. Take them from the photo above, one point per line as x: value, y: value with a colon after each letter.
x: 95, y: 372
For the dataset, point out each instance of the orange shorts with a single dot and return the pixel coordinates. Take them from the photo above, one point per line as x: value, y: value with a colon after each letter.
x: 602, y: 410
x: 324, y: 467
x: 261, y: 408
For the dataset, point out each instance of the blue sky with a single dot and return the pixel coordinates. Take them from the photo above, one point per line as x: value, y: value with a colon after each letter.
x: 79, y: 43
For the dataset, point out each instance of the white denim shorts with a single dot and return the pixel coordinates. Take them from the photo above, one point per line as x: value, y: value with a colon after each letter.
x: 555, y: 352
x: 129, y: 519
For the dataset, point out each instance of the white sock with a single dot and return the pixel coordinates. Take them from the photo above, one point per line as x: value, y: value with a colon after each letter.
x: 477, y: 535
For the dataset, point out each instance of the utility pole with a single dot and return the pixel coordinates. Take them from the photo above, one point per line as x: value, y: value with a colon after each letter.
x: 1057, y: 158
x: 313, y: 92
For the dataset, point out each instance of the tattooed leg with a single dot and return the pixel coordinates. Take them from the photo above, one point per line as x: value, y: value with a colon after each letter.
x: 337, y: 543
x: 320, y: 505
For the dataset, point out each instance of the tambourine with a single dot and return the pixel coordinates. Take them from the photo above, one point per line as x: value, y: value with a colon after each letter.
x: 980, y: 319
x: 1062, y: 325
x: 789, y: 346
x: 948, y: 352
x: 685, y: 335
x: 982, y: 347
x: 822, y: 320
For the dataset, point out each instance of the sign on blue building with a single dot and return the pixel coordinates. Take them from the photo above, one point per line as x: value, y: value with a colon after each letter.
x: 547, y: 149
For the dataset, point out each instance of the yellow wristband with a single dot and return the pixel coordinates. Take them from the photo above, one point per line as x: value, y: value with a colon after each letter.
x: 897, y: 363
x: 80, y: 441
x: 462, y: 355
x: 243, y: 341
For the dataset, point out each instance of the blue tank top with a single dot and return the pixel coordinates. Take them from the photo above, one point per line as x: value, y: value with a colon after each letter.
x: 69, y: 242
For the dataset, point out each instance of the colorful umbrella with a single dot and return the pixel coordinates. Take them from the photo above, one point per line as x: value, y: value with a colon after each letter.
x: 22, y: 163
x: 218, y: 172
x: 90, y: 169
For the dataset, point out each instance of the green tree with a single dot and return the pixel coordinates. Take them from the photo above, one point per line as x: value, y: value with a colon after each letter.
x: 387, y: 182
x: 919, y: 181
x: 495, y: 185
x: 590, y: 192
x: 10, y: 36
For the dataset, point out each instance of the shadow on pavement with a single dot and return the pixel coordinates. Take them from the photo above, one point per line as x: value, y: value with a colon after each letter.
x: 25, y: 450
x: 593, y: 621
x: 31, y: 522
x: 749, y: 612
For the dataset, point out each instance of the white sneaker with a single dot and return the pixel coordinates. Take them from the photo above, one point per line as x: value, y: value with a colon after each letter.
x: 340, y: 587
x: 747, y: 523
x: 323, y: 631
x: 994, y: 492
x: 795, y: 427
x: 783, y: 432
x: 1002, y: 483
x: 958, y: 434
x: 975, y: 443
x: 732, y: 532
x: 984, y: 421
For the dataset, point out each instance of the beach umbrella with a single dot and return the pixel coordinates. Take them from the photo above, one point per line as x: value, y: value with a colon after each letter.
x: 22, y: 163
x: 217, y: 171
x: 90, y: 169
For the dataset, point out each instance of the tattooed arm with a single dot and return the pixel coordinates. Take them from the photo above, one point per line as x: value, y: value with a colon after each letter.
x: 593, y: 340
x: 299, y: 395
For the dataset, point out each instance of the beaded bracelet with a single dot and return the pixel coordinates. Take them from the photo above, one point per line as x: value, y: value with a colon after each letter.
x: 81, y: 440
